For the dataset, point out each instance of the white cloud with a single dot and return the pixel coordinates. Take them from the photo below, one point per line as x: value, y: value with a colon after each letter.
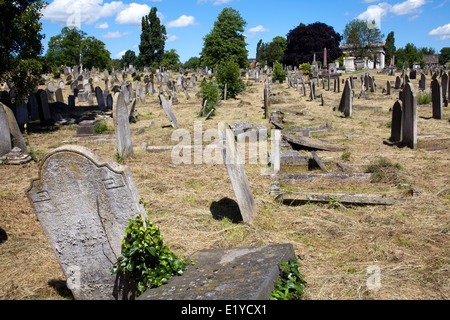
x: 443, y: 32
x: 408, y: 7
x: 172, y: 38
x: 79, y: 12
x: 115, y: 35
x: 133, y: 14
x: 120, y: 54
x: 375, y: 13
x: 102, y: 25
x: 253, y: 31
x: 259, y: 28
x: 183, y: 21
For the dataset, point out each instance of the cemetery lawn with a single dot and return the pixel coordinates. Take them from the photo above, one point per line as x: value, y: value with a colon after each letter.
x: 408, y: 241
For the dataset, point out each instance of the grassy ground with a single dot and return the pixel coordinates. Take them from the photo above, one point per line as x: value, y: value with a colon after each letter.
x: 409, y: 242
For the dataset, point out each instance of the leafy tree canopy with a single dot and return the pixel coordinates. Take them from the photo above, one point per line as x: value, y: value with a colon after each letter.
x: 226, y: 40
x: 271, y: 52
x: 73, y: 47
x: 128, y: 58
x: 20, y: 44
x: 193, y: 63
x: 360, y: 38
x: 444, y: 55
x: 153, y: 40
x: 305, y: 41
x: 171, y: 60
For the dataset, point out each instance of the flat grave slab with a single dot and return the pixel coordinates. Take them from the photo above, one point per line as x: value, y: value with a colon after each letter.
x: 245, y: 273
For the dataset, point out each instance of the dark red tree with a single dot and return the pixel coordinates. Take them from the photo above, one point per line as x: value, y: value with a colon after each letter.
x: 305, y: 41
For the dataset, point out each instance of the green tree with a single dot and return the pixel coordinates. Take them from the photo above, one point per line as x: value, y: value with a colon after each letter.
x: 128, y: 58
x: 171, y: 60
x: 193, y: 63
x: 153, y: 40
x: 390, y: 46
x: 408, y: 55
x: 226, y: 40
x: 94, y: 53
x: 360, y: 39
x: 273, y: 51
x: 20, y: 44
x: 444, y: 55
x: 66, y: 47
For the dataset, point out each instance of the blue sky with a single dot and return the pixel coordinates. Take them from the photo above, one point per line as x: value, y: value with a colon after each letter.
x: 426, y: 23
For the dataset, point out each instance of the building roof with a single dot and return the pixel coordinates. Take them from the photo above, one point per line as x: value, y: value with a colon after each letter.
x: 431, y: 58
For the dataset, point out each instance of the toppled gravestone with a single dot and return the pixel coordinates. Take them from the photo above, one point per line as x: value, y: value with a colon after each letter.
x: 245, y: 273
x: 84, y: 206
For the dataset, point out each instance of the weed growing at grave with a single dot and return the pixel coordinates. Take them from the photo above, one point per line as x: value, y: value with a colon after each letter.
x: 145, y: 258
x: 423, y: 98
x: 101, y: 127
x: 30, y: 148
x: 383, y: 170
x: 346, y: 155
x: 290, y: 284
x: 278, y: 72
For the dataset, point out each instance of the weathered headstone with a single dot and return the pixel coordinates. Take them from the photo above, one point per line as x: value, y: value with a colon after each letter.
x: 397, y: 82
x: 21, y: 114
x: 100, y: 98
x: 346, y: 102
x: 122, y: 127
x: 396, y: 124
x: 388, y: 88
x: 5, y: 136
x: 444, y: 87
x: 409, y: 116
x: 84, y: 206
x: 43, y: 107
x: 436, y: 99
x: 59, y: 95
x: 422, y: 82
x: 236, y: 172
x: 166, y: 105
x: 71, y: 101
x: 17, y: 138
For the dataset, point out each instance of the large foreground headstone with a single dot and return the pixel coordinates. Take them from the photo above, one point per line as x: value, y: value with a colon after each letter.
x: 122, y: 127
x: 396, y: 124
x: 84, y: 206
x: 236, y: 172
x: 346, y: 102
x: 5, y: 136
x: 245, y: 273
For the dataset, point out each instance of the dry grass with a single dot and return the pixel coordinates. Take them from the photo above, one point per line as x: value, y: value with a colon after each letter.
x: 408, y: 241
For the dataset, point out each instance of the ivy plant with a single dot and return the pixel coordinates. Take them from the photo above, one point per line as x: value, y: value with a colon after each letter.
x: 145, y: 258
x: 290, y: 283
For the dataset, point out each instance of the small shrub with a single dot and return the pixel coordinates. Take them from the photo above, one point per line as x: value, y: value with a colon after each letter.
x: 210, y: 92
x: 101, y: 127
x: 290, y: 284
x: 306, y: 68
x: 228, y: 73
x: 278, y: 72
x: 145, y: 258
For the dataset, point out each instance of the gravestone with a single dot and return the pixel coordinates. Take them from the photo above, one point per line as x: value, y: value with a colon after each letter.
x: 444, y: 87
x: 16, y: 134
x: 409, y: 116
x: 71, y: 101
x: 397, y: 82
x: 236, y: 172
x: 100, y: 98
x: 243, y: 273
x: 109, y: 101
x: 436, y: 99
x: 59, y: 95
x: 122, y: 127
x: 422, y: 82
x: 131, y: 115
x: 33, y: 106
x: 84, y: 206
x: 396, y: 124
x: 388, y: 88
x: 166, y: 105
x: 43, y: 107
x: 21, y: 114
x: 345, y: 104
x: 5, y: 136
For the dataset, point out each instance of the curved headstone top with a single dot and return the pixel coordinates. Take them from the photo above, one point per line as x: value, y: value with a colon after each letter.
x: 84, y: 206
